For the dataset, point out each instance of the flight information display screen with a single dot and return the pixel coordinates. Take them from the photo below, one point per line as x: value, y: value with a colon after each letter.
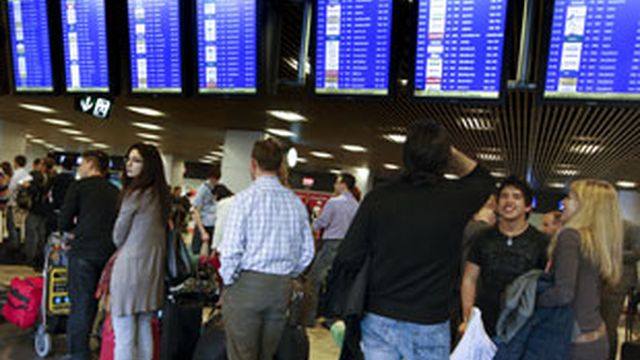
x: 353, y: 44
x: 30, y: 45
x: 460, y: 47
x: 594, y: 50
x: 227, y: 46
x: 84, y: 35
x: 154, y: 42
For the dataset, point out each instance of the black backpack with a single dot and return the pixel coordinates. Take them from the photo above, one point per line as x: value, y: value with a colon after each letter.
x: 24, y: 199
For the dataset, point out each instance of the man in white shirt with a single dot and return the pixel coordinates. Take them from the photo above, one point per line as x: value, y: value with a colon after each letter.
x: 16, y: 216
x: 267, y: 243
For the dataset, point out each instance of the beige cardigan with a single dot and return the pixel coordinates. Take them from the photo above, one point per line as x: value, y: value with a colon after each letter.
x: 137, y: 283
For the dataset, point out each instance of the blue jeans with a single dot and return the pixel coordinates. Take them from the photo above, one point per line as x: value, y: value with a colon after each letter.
x: 388, y: 339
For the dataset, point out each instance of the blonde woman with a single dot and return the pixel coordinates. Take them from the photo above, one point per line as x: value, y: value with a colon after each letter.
x: 586, y: 254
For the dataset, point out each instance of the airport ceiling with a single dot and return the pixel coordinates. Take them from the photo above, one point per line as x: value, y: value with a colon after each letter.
x: 545, y: 143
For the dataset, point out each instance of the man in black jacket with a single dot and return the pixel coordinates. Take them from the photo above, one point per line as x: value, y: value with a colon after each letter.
x: 411, y: 231
x: 89, y: 210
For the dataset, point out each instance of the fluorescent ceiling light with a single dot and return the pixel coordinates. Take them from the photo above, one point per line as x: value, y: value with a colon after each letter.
x: 71, y: 131
x: 100, y: 146
x: 37, y: 108
x: 354, y: 148
x: 146, y: 111
x: 28, y: 136
x: 211, y: 157
x: 404, y: 82
x: 556, y: 185
x: 217, y: 153
x: 391, y: 167
x: 58, y: 149
x: 335, y: 171
x: 490, y: 157
x: 627, y: 184
x: 149, y: 136
x: 281, y: 132
x: 321, y: 154
x: 302, y: 160
x: 395, y: 138
x: 451, y: 177
x: 83, y: 139
x: 147, y: 126
x: 152, y: 143
x: 585, y: 149
x: 477, y: 124
x: 499, y: 174
x: 38, y: 141
x: 286, y: 115
x: 57, y: 122
x: 206, y: 161
x: 567, y: 172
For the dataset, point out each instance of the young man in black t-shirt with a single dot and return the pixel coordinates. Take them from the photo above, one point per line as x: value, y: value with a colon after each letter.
x: 498, y: 256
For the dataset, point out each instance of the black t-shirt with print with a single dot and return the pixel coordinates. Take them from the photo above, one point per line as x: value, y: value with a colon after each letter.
x: 501, y: 260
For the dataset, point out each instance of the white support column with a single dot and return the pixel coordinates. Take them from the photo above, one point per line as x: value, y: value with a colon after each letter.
x: 237, y: 158
x: 12, y: 140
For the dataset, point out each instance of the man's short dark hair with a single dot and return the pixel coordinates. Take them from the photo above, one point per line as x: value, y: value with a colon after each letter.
x: 20, y: 160
x: 99, y: 158
x: 426, y: 153
x: 68, y: 163
x: 36, y: 162
x: 214, y: 172
x: 513, y: 181
x: 348, y: 180
x: 268, y: 153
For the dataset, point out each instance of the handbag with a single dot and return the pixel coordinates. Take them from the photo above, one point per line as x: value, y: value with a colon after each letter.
x: 178, y: 259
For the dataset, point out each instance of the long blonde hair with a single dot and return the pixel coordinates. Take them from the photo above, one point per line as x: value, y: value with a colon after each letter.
x: 599, y: 223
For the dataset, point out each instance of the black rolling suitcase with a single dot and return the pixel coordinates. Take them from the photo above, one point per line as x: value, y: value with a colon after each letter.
x: 631, y: 347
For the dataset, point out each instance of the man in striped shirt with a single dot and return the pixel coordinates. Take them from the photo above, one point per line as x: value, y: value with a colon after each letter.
x: 267, y: 242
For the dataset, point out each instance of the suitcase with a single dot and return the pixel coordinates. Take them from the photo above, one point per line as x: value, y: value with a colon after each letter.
x: 23, y: 301
x: 108, y: 344
x: 211, y: 345
x: 631, y: 348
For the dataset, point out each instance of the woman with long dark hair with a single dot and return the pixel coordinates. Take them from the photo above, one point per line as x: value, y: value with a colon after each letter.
x: 137, y: 285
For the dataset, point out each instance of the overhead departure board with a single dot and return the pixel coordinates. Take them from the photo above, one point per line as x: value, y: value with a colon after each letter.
x: 30, y: 45
x: 460, y: 48
x: 155, y: 47
x: 594, y: 50
x: 353, y: 44
x: 84, y: 35
x: 227, y: 46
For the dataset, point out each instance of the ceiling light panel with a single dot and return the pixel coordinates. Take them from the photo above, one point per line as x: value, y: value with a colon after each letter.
x: 100, y: 146
x: 490, y: 157
x: 146, y: 111
x: 627, y: 184
x: 71, y: 131
x: 83, y: 139
x: 57, y: 122
x: 585, y: 149
x: 477, y: 124
x: 391, y: 167
x: 147, y: 126
x: 148, y: 136
x: 281, y: 132
x: 354, y: 148
x: 321, y: 154
x: 286, y: 115
x: 37, y: 108
x: 395, y: 138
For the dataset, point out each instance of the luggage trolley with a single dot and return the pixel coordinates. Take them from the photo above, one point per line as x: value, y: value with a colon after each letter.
x: 55, y: 305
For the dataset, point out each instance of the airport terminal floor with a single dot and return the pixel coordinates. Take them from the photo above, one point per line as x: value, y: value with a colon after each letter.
x: 320, y: 179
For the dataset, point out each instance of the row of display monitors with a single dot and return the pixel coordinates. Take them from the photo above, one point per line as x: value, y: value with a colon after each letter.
x: 593, y: 50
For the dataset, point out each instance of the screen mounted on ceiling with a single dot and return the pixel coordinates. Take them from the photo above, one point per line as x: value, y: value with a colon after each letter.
x: 460, y: 48
x: 84, y: 35
x: 155, y: 46
x: 353, y: 44
x: 30, y: 45
x: 594, y: 50
x: 227, y: 46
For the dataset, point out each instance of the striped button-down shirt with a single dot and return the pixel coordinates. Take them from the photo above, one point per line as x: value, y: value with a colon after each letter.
x: 267, y: 231
x: 336, y: 216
